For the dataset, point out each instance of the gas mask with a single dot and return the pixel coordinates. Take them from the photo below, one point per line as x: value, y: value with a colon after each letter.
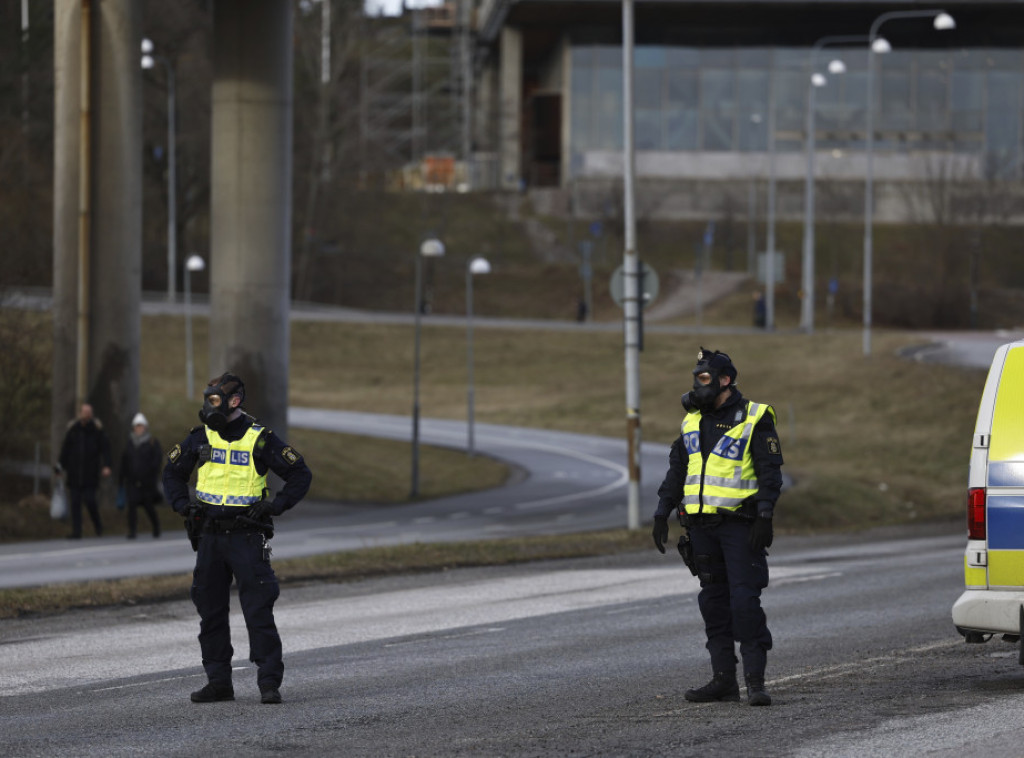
x: 217, y: 396
x: 706, y: 388
x: 711, y: 366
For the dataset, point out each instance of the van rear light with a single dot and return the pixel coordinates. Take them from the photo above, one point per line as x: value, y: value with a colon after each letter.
x: 976, y: 513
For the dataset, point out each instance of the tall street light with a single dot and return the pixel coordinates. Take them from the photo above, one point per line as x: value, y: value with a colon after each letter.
x: 816, y: 80
x: 193, y: 264
x: 476, y: 266
x: 149, y: 60
x: 769, y: 267
x: 430, y: 248
x: 631, y: 305
x: 755, y: 119
x: 942, y: 21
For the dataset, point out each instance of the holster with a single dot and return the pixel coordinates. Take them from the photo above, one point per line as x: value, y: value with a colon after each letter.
x: 686, y: 551
x: 194, y: 518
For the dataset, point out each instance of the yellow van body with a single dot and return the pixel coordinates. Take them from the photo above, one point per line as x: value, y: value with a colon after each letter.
x: 993, y: 601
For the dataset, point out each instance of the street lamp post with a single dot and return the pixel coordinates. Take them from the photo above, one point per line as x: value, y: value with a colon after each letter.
x: 632, y: 306
x: 769, y: 277
x: 755, y: 119
x: 430, y: 248
x: 942, y: 21
x: 194, y: 263
x: 816, y: 80
x: 150, y: 59
x: 476, y: 266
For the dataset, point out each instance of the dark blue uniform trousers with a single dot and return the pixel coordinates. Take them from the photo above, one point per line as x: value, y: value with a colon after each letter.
x: 732, y: 576
x: 239, y: 555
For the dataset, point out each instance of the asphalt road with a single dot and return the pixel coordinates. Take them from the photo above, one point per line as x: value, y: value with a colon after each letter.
x: 581, y: 657
x: 968, y: 349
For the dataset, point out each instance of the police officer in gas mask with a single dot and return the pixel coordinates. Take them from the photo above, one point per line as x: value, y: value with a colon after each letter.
x: 724, y: 479
x: 230, y: 523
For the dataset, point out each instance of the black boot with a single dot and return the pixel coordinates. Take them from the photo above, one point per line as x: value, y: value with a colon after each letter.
x: 756, y: 694
x: 722, y: 687
x: 213, y: 693
x: 270, y: 695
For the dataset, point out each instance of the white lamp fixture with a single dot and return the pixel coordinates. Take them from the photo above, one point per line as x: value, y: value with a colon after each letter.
x: 479, y: 266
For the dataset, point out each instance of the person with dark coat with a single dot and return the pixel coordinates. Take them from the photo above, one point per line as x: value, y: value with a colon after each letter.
x: 140, y: 467
x: 84, y: 458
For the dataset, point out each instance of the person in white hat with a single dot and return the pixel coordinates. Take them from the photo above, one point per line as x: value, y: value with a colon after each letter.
x: 140, y: 468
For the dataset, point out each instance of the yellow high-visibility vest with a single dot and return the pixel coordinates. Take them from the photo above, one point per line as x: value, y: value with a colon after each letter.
x: 230, y: 476
x: 727, y: 477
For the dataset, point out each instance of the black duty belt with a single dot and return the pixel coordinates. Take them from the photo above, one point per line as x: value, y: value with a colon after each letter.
x: 227, y: 525
x: 711, y: 519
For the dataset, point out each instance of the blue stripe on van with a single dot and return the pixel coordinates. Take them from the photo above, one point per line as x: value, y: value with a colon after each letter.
x: 1006, y: 474
x: 1006, y: 523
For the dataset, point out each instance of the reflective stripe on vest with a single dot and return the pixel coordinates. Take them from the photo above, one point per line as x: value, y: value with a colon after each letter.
x: 727, y: 478
x: 230, y: 476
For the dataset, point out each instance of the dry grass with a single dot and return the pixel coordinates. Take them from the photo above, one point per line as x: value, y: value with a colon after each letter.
x: 867, y: 440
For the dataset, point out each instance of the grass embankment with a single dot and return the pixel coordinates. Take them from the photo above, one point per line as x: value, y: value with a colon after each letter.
x: 868, y: 441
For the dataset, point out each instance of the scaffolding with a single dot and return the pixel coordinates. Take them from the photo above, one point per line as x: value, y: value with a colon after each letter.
x: 415, y: 95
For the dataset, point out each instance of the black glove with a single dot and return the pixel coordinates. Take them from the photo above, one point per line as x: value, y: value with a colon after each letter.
x: 660, y: 532
x: 761, y: 533
x: 259, y: 511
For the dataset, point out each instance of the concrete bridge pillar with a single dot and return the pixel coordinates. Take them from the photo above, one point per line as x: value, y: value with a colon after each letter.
x: 250, y: 207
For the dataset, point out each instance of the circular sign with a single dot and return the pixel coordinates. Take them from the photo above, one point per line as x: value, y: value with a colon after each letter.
x: 648, y: 285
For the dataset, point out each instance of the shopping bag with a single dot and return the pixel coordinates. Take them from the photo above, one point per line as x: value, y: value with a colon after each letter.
x: 58, y: 500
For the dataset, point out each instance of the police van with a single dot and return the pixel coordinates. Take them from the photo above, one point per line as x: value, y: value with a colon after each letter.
x: 993, y: 602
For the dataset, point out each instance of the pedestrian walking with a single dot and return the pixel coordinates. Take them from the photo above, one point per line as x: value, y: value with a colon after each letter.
x: 84, y: 458
x: 140, y: 467
x: 724, y: 479
x: 230, y: 523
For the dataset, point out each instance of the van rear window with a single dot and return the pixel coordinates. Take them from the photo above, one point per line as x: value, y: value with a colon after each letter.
x: 1006, y: 449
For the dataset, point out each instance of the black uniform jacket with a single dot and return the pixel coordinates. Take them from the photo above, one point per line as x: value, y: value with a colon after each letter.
x: 271, y: 454
x: 140, y: 466
x: 764, y: 449
x: 85, y: 451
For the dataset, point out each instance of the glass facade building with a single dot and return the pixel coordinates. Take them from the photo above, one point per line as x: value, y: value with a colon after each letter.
x: 967, y: 101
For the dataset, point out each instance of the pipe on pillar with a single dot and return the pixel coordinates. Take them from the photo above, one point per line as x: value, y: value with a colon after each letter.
x: 67, y: 53
x: 250, y: 207
x: 97, y: 216
x: 84, y: 201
